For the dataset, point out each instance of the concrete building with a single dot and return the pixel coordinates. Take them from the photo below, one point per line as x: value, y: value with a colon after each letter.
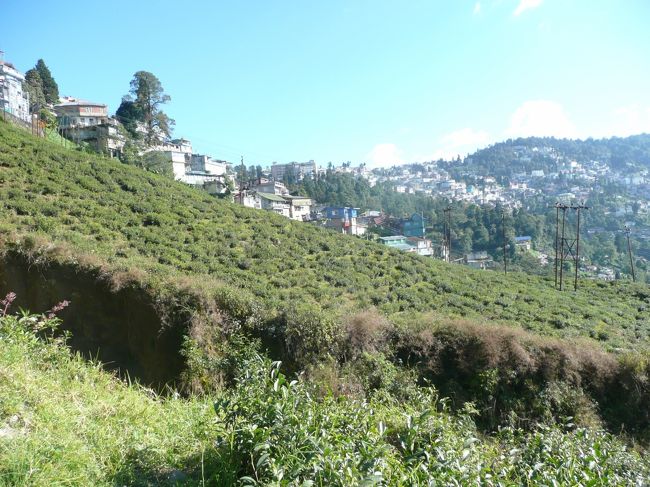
x: 414, y: 226
x: 422, y: 245
x: 275, y: 187
x: 524, y: 243
x: 274, y: 203
x: 299, y: 207
x: 202, y: 163
x: 88, y: 122
x: 13, y: 99
x: 344, y: 220
x: 301, y: 170
x: 74, y: 112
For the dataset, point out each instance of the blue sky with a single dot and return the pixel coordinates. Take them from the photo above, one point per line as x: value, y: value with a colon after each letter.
x: 372, y: 81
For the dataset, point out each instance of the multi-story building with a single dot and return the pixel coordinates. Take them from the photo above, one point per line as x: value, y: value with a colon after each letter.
x: 13, y: 99
x: 344, y: 220
x: 74, y: 113
x: 299, y: 207
x: 203, y: 163
x: 301, y: 170
x: 85, y: 121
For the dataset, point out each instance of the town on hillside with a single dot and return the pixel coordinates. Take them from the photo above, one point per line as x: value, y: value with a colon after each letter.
x: 514, y: 176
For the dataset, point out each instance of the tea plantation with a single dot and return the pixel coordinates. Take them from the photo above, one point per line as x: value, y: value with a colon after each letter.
x: 396, y: 369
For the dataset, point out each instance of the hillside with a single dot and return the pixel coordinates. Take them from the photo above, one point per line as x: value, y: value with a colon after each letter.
x: 128, y: 219
x: 175, y: 287
x: 627, y: 154
x: 64, y: 421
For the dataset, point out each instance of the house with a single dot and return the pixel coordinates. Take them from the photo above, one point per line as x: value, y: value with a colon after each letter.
x: 479, y: 260
x: 85, y: 121
x: 13, y: 100
x: 274, y: 203
x: 207, y: 165
x: 275, y: 187
x: 524, y: 243
x: 422, y: 245
x: 299, y: 207
x: 344, y: 220
x: 398, y: 242
x: 414, y: 226
x: 73, y: 112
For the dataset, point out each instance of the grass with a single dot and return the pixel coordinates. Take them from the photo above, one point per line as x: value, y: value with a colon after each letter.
x: 64, y: 421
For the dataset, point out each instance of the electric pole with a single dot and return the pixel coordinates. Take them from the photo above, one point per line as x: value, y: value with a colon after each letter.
x: 505, y: 255
x: 557, y: 235
x: 629, y: 252
x: 447, y: 237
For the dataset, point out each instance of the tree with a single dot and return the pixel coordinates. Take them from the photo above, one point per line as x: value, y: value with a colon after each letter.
x: 148, y: 96
x: 129, y: 114
x: 34, y: 86
x: 242, y: 173
x: 153, y: 161
x: 50, y: 88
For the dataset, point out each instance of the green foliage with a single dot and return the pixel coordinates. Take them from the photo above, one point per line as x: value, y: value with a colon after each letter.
x: 148, y: 96
x: 274, y: 432
x: 34, y: 86
x: 63, y: 421
x: 129, y: 114
x: 50, y: 88
x: 292, y: 287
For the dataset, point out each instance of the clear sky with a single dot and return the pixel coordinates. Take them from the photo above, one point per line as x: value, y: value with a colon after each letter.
x: 371, y: 81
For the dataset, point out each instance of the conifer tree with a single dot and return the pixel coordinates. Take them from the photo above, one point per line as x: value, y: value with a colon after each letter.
x: 50, y: 88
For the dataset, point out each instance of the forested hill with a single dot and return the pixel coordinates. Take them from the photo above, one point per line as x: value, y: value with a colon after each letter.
x: 531, y: 153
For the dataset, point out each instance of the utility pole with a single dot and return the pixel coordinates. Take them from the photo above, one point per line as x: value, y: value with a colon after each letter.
x: 629, y: 252
x: 575, y: 281
x: 241, y: 182
x: 557, y: 220
x: 447, y: 212
x: 562, y: 245
x: 505, y: 255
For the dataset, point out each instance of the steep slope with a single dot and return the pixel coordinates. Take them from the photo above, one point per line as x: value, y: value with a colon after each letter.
x: 131, y: 220
x: 174, y: 286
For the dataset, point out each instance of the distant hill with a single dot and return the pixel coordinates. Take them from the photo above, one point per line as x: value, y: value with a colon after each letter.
x: 501, y: 159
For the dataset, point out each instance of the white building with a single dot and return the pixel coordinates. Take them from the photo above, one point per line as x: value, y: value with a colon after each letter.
x: 13, y: 99
x: 301, y: 170
x: 74, y: 112
x: 294, y: 207
x: 202, y: 163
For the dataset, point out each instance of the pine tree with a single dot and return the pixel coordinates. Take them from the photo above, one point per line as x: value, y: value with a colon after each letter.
x: 149, y: 95
x: 34, y: 86
x: 50, y: 88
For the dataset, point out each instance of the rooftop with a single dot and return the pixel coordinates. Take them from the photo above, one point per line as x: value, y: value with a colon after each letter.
x: 67, y: 101
x: 272, y: 197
